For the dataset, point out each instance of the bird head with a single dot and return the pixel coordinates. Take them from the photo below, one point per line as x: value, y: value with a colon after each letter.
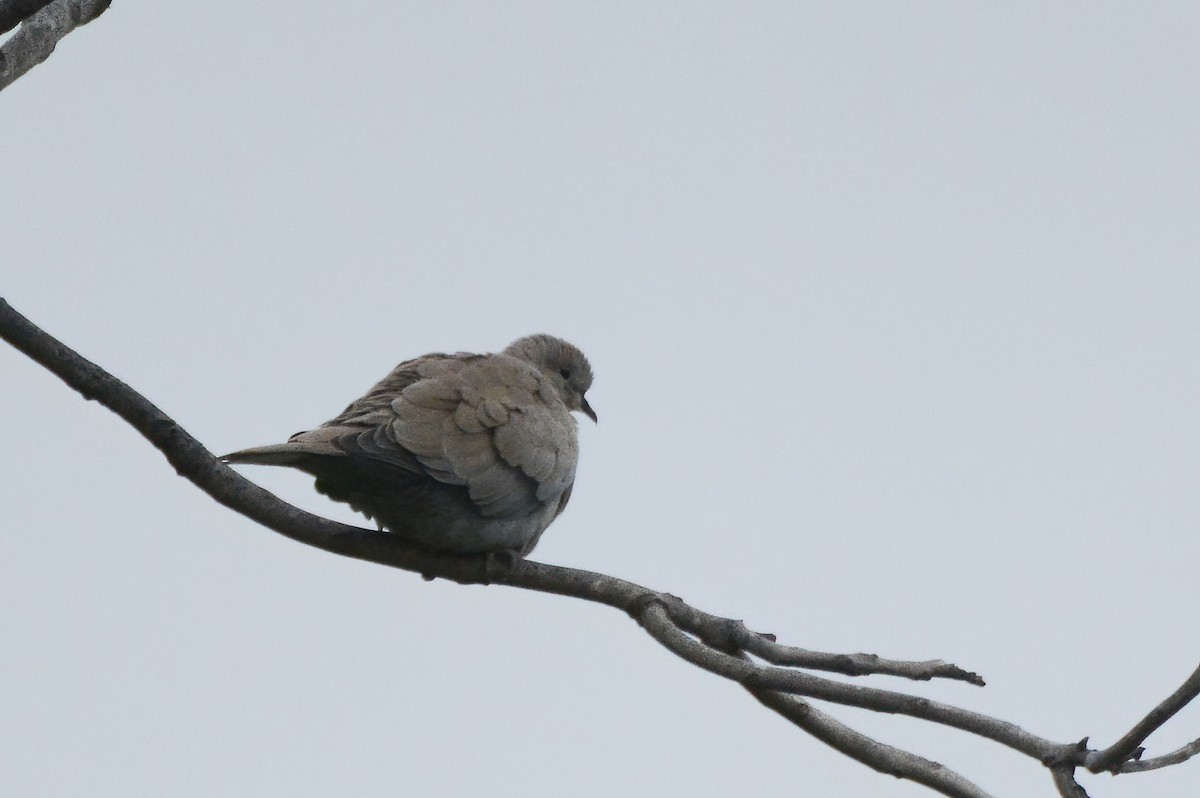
x: 562, y: 364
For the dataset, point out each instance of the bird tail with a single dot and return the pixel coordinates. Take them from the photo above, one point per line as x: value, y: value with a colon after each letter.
x: 281, y: 454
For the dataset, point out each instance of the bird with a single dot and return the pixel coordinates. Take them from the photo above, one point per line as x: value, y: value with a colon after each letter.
x: 460, y: 453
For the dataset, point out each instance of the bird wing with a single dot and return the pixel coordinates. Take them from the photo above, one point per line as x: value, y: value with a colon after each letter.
x: 489, y: 423
x: 493, y: 424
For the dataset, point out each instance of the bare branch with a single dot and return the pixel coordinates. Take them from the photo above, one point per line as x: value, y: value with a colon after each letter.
x: 857, y: 664
x: 719, y: 645
x: 41, y: 32
x: 1129, y: 746
x: 726, y: 634
x: 1166, y: 760
x: 1064, y: 782
x: 876, y: 755
x: 658, y: 623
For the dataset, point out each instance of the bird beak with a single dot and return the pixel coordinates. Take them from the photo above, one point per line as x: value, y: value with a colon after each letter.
x: 587, y: 409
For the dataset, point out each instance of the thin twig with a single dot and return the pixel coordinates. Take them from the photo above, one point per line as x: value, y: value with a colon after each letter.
x: 878, y: 756
x: 884, y: 758
x: 1127, y: 748
x: 856, y: 664
x: 1176, y: 757
x: 658, y: 623
x: 723, y: 632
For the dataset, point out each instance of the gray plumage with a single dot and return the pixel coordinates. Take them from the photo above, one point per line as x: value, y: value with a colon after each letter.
x: 464, y: 453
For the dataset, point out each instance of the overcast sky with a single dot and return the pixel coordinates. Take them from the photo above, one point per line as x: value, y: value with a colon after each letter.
x: 894, y: 310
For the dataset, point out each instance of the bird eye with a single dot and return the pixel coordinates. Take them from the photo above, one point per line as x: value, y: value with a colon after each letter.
x: 565, y: 373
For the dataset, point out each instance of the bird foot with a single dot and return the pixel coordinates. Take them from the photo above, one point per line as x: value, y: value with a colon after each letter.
x: 497, y: 564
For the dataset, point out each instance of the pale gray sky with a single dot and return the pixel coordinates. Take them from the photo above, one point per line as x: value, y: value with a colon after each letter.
x: 893, y: 312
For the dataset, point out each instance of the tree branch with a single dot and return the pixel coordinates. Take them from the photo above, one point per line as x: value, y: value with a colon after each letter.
x: 878, y: 756
x: 43, y: 24
x: 1128, y: 748
x: 720, y: 645
x: 1064, y: 782
x: 662, y: 627
x: 733, y: 635
x: 851, y: 664
x: 1176, y: 757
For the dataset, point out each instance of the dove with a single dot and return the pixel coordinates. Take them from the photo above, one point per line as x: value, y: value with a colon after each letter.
x: 460, y: 453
